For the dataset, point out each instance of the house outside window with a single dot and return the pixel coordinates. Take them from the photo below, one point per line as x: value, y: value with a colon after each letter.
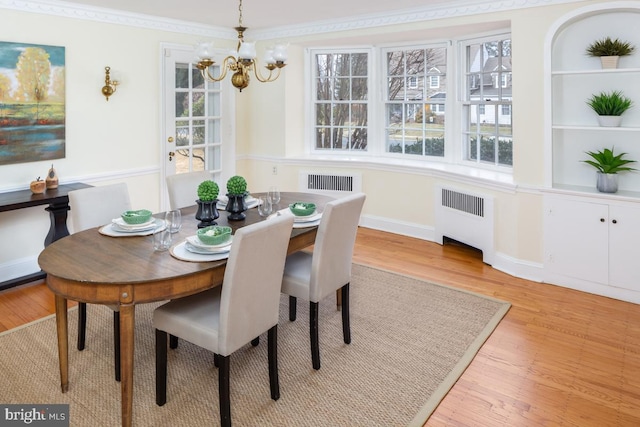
x: 414, y: 116
x: 487, y: 129
x: 340, y: 98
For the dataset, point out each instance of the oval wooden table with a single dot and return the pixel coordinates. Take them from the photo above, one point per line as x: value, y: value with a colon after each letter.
x: 93, y: 268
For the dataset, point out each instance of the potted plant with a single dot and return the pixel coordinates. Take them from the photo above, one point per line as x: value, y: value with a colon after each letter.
x: 236, y: 192
x: 608, y: 165
x: 207, y: 199
x: 609, y: 107
x: 609, y: 51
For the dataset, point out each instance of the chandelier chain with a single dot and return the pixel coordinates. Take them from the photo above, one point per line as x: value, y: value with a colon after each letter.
x: 240, y: 14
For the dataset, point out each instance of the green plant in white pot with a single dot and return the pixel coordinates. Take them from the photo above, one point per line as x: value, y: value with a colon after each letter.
x: 609, y: 51
x: 609, y: 106
x: 608, y: 165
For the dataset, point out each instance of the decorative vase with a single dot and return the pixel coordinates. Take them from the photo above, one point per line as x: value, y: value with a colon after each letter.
x: 207, y: 212
x: 609, y: 62
x: 236, y: 206
x: 609, y: 121
x: 607, y: 182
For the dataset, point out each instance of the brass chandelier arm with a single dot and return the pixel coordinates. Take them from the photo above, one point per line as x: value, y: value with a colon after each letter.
x: 229, y: 63
x: 270, y: 77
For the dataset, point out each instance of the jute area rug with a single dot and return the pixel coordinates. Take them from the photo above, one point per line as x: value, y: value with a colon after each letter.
x: 411, y: 341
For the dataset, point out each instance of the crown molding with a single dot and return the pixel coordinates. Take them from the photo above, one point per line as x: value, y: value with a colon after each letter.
x: 118, y: 17
x: 112, y: 16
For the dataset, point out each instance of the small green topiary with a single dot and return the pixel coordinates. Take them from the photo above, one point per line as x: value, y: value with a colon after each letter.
x: 236, y: 185
x: 208, y: 191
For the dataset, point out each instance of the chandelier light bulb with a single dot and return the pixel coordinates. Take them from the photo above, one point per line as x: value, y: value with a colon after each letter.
x: 280, y: 53
x: 204, y: 50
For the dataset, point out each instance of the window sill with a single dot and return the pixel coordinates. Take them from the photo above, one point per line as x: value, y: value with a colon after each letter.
x: 464, y: 174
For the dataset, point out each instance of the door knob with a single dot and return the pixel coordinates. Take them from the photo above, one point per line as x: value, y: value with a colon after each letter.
x: 170, y: 139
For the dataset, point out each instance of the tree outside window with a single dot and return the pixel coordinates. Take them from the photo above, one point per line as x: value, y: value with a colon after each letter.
x: 341, y: 92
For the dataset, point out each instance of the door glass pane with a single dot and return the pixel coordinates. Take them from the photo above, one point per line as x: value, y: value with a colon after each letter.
x: 182, y: 76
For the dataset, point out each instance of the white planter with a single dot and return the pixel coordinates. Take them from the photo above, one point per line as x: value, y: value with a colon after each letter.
x: 609, y: 121
x: 609, y: 62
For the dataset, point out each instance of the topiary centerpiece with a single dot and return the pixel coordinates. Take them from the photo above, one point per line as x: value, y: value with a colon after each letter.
x: 236, y: 192
x: 207, y: 199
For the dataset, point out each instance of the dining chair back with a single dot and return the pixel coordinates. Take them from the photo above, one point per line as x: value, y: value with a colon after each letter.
x: 93, y: 207
x: 226, y: 318
x: 183, y: 188
x: 314, y: 276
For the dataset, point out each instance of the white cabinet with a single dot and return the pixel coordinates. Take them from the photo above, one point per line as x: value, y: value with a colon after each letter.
x: 591, y: 245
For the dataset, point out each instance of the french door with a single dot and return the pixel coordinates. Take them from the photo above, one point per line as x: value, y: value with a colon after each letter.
x: 198, y: 116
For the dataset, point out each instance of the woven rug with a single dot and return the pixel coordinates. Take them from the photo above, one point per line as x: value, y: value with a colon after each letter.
x: 411, y: 341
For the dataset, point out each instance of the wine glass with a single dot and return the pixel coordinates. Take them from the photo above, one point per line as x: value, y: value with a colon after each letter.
x: 274, y: 195
x: 173, y: 219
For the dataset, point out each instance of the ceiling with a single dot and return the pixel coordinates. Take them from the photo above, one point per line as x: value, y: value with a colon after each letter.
x: 268, y: 14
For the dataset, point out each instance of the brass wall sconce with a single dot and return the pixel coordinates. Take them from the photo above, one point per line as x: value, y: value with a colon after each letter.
x: 109, y: 87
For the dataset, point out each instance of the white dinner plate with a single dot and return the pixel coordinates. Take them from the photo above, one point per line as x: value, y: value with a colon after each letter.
x: 307, y: 218
x: 113, y: 230
x: 251, y: 202
x: 123, y: 226
x: 180, y: 252
x: 306, y: 224
x: 212, y: 249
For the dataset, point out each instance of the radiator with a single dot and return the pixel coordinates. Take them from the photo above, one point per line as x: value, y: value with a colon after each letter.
x: 466, y: 217
x: 330, y: 184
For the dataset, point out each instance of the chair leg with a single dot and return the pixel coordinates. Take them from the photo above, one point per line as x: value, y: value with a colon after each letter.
x: 161, y: 367
x: 346, y: 326
x: 173, y: 342
x: 116, y: 343
x: 274, y: 383
x: 223, y: 391
x: 82, y: 324
x: 255, y: 341
x: 216, y: 360
x: 313, y: 335
x: 292, y: 308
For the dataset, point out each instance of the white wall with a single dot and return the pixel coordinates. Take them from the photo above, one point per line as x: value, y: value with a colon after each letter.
x: 119, y: 140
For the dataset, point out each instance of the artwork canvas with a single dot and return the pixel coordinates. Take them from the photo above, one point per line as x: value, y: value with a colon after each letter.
x: 32, y: 103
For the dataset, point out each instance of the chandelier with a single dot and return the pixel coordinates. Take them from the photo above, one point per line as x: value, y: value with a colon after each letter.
x: 244, y: 62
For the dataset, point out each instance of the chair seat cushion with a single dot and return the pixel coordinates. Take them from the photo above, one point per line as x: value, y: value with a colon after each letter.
x: 194, y: 318
x: 297, y: 275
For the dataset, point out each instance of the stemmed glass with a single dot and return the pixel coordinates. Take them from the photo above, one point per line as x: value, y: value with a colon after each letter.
x: 264, y: 206
x: 274, y: 196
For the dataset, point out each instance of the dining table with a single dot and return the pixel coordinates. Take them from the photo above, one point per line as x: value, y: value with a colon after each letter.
x: 94, y: 268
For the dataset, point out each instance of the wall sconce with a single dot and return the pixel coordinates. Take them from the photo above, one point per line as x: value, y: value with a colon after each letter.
x: 109, y: 87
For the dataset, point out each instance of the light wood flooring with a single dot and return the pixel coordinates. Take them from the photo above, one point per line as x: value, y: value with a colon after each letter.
x: 559, y: 357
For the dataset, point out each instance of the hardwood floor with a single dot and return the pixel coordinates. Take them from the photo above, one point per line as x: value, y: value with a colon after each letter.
x: 559, y: 357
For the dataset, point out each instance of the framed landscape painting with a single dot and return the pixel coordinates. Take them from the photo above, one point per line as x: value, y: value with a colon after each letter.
x: 32, y: 103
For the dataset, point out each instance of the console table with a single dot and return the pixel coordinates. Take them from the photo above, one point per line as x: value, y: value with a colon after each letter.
x: 58, y: 201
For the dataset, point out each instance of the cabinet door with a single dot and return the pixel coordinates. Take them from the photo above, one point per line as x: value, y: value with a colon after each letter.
x: 624, y: 235
x: 576, y: 239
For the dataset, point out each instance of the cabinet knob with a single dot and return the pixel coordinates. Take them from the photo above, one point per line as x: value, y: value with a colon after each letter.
x: 615, y: 221
x: 601, y: 219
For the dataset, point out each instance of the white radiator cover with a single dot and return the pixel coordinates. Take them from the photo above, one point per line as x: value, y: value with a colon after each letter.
x: 466, y: 217
x: 336, y: 185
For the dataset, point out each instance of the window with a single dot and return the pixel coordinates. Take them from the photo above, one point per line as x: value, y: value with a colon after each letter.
x: 340, y: 98
x: 487, y: 128
x: 414, y: 116
x: 423, y: 115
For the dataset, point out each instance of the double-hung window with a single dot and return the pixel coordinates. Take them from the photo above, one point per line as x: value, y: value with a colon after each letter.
x: 486, y: 108
x: 340, y: 100
x: 415, y: 114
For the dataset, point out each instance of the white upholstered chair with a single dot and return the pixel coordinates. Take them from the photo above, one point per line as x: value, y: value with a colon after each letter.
x: 226, y: 318
x: 313, y: 277
x: 93, y: 207
x: 183, y: 188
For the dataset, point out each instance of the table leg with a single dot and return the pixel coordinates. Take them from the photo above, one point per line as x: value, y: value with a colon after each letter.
x: 127, y: 320
x: 63, y: 341
x: 58, y: 216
